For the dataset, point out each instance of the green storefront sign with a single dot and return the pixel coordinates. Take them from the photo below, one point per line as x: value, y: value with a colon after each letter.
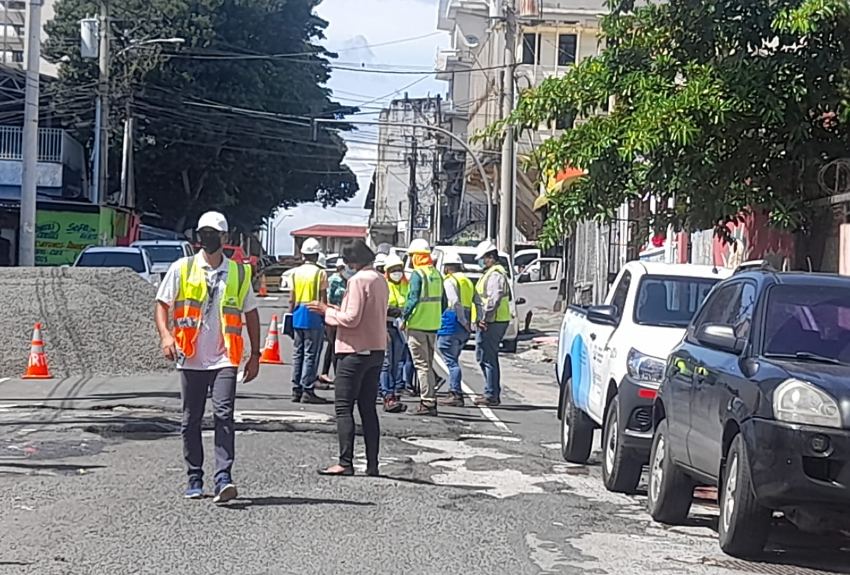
x: 61, y: 236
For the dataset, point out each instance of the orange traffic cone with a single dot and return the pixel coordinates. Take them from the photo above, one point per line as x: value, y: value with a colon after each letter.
x: 271, y: 353
x: 264, y: 289
x: 37, y: 366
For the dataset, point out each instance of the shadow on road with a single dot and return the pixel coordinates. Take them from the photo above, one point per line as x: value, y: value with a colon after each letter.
x: 243, y: 504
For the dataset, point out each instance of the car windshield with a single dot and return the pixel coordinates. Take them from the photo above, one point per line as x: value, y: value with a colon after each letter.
x: 164, y: 254
x: 670, y: 301
x: 810, y: 320
x: 131, y: 260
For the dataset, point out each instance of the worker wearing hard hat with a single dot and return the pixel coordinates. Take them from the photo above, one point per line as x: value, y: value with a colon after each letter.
x: 462, y: 309
x: 380, y: 262
x: 494, y: 289
x: 206, y: 297
x: 309, y: 284
x: 392, y: 372
x: 422, y: 317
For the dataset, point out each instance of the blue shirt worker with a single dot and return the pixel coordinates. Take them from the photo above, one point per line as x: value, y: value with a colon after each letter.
x: 336, y: 291
x: 494, y: 289
x: 309, y: 284
x: 462, y: 310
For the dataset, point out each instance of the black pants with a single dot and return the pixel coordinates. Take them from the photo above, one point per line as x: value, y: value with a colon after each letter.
x: 357, y: 380
x: 330, y: 352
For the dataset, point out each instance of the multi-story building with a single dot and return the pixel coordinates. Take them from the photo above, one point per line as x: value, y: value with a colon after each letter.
x: 13, y: 15
x: 553, y: 35
x: 417, y: 167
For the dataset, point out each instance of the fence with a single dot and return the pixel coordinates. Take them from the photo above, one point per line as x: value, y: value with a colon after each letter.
x: 50, y: 142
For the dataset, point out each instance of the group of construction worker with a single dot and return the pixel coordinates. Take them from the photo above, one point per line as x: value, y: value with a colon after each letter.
x: 206, y: 300
x: 427, y: 313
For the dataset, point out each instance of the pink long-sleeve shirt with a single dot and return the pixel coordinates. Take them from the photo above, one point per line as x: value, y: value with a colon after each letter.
x: 361, y: 320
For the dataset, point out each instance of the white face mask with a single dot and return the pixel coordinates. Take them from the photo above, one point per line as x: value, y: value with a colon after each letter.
x: 348, y: 272
x: 396, y: 276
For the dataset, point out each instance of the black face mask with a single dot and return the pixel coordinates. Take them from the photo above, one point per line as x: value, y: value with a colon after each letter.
x: 211, y: 243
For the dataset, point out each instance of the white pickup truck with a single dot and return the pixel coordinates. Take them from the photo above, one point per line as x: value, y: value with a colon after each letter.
x: 611, y: 360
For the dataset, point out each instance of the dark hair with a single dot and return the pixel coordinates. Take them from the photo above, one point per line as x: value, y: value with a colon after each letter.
x: 358, y: 253
x: 311, y: 257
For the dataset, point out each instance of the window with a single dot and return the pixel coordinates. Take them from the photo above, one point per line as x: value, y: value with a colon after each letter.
x: 17, y: 56
x: 621, y: 292
x: 743, y: 317
x: 567, y: 44
x: 722, y: 307
x: 810, y: 319
x: 530, y: 51
x: 131, y: 260
x: 670, y: 301
x: 165, y: 254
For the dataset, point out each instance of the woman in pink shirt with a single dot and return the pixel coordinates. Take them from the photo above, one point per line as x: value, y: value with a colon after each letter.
x: 361, y: 341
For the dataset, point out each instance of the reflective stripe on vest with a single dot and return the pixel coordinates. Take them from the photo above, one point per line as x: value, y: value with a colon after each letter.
x: 466, y: 292
x: 398, y: 294
x: 427, y: 315
x: 191, y: 297
x: 306, y: 283
x: 503, y: 310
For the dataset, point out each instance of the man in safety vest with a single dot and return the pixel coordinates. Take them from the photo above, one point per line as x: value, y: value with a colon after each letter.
x: 309, y: 284
x: 494, y: 289
x: 462, y: 310
x: 207, y: 296
x: 422, y: 317
x: 392, y: 372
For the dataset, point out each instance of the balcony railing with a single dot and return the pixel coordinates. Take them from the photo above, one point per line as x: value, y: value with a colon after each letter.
x: 54, y: 146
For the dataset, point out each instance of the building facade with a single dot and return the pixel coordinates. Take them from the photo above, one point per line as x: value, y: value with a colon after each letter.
x: 13, y: 16
x: 553, y: 35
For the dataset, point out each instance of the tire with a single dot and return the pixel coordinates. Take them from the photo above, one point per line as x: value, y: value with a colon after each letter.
x: 744, y: 524
x: 620, y: 468
x: 509, y: 345
x: 671, y: 492
x: 576, y: 430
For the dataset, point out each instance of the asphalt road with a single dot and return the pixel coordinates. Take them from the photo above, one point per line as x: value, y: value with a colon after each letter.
x: 91, y: 477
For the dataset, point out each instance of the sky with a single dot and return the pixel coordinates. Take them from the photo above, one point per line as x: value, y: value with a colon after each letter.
x: 356, y: 30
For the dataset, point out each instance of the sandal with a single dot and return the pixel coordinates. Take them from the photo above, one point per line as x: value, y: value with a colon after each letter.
x: 337, y: 470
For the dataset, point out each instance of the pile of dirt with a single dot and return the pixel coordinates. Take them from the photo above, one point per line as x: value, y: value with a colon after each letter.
x: 94, y: 321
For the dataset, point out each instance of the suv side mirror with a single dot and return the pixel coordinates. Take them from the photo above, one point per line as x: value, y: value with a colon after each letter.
x: 720, y: 337
x: 603, y: 315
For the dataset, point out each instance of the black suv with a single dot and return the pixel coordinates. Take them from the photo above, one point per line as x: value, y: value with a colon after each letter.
x: 756, y: 401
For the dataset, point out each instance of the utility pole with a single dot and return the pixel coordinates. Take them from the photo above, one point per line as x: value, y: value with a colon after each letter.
x: 29, y: 175
x: 411, y: 190
x: 128, y: 188
x: 102, y: 161
x: 506, y: 206
x: 436, y: 183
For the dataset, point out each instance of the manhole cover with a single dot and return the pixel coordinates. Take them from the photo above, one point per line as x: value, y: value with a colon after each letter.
x: 764, y: 568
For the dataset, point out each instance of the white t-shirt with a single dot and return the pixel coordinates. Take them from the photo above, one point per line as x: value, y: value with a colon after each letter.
x: 210, y: 352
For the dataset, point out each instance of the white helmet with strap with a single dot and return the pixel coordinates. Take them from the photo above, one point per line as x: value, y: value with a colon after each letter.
x: 311, y: 247
x: 485, y: 248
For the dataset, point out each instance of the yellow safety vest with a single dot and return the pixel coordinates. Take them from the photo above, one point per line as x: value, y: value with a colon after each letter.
x: 427, y: 315
x: 191, y: 298
x: 306, y: 283
x: 467, y: 293
x: 398, y: 294
x: 503, y: 310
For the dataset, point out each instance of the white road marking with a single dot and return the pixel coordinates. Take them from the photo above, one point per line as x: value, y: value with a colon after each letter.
x: 485, y: 411
x: 4, y: 379
x: 269, y: 298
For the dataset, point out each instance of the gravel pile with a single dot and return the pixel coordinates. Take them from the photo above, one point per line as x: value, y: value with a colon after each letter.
x: 94, y: 321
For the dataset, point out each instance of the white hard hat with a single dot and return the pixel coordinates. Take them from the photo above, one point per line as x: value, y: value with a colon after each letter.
x: 452, y: 258
x: 311, y: 246
x: 419, y: 246
x: 485, y: 248
x: 380, y: 259
x: 322, y: 260
x: 393, y: 261
x: 213, y: 220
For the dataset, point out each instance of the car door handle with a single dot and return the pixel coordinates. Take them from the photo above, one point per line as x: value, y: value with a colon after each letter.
x: 553, y: 288
x: 593, y: 336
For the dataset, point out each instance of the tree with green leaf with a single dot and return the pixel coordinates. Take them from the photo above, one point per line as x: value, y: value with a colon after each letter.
x: 200, y: 141
x: 718, y: 106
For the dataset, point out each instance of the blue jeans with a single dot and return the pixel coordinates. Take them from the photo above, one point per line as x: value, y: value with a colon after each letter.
x: 487, y: 353
x: 307, y: 347
x: 450, y: 347
x: 392, y: 371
